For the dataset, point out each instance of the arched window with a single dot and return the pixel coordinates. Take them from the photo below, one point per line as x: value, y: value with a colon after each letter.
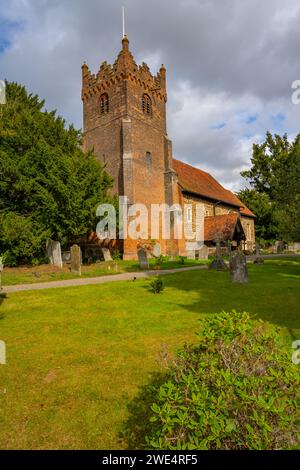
x: 148, y: 158
x: 146, y: 105
x: 104, y: 103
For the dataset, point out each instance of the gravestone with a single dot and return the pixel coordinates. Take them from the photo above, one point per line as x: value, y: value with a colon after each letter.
x: 54, y: 253
x: 218, y: 262
x: 258, y: 259
x: 238, y: 267
x: 191, y: 254
x: 156, y: 250
x: 76, y: 260
x: 191, y: 250
x: 66, y: 257
x: 106, y: 254
x: 279, y: 247
x: 143, y: 258
x: 203, y: 252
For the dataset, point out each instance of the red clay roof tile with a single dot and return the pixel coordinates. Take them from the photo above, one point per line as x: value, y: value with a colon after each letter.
x: 220, y: 226
x: 199, y: 182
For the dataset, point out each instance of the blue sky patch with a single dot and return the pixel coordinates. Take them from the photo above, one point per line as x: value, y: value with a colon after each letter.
x: 219, y: 125
x: 280, y: 117
x: 7, y: 28
x: 251, y: 118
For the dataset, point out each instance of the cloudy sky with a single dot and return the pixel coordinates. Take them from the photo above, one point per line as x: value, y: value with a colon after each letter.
x: 230, y: 65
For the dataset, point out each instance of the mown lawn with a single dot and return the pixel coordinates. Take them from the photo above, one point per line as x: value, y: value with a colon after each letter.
x: 76, y: 357
x: 46, y: 273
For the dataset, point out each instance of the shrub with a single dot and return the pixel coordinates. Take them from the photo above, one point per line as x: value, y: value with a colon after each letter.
x: 116, y: 255
x: 236, y: 389
x: 157, y: 285
x: 159, y: 261
x: 182, y: 260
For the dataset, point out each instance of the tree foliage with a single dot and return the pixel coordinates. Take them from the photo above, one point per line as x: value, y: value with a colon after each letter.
x: 49, y: 188
x: 275, y: 181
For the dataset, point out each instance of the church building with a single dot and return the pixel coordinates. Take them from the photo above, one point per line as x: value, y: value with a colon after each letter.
x: 125, y: 122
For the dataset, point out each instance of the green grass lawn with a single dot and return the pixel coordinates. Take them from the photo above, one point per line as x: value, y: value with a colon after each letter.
x: 76, y: 357
x: 46, y: 273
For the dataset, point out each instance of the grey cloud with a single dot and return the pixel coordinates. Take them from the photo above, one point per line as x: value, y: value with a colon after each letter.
x: 244, y: 51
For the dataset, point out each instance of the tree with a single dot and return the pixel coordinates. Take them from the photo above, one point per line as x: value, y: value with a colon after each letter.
x: 261, y: 205
x: 49, y: 188
x: 275, y: 181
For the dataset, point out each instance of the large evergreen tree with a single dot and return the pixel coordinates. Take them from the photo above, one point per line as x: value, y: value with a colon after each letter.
x: 275, y: 187
x: 49, y: 188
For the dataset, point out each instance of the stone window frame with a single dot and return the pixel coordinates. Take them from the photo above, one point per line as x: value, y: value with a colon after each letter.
x: 248, y: 232
x: 104, y: 103
x: 189, y: 215
x: 146, y: 104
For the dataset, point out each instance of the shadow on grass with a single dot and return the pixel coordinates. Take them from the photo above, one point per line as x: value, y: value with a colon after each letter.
x: 2, y: 298
x: 138, y: 425
x: 272, y: 293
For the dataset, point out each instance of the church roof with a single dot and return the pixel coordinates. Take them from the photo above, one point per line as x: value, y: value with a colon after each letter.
x: 222, y: 227
x: 196, y: 181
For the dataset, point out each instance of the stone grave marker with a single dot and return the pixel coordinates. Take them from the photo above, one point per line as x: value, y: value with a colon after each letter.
x: 238, y: 267
x: 218, y: 262
x: 203, y: 252
x: 258, y: 259
x: 76, y: 260
x: 54, y: 253
x: 156, y: 250
x: 66, y: 257
x: 106, y: 254
x: 143, y: 258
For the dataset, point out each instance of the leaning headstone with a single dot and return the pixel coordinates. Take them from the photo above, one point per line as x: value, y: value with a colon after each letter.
x: 238, y: 267
x: 76, y: 260
x: 54, y: 253
x: 218, y: 262
x: 143, y: 258
x: 106, y: 254
x: 203, y: 252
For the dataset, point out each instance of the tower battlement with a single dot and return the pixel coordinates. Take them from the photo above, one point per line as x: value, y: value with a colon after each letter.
x: 124, y: 68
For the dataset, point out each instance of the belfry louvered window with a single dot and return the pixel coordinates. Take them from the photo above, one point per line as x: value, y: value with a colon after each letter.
x: 146, y: 105
x: 104, y: 103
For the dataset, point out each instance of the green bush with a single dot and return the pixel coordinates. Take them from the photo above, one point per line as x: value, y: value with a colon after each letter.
x: 157, y: 285
x: 236, y: 389
x: 116, y: 255
x: 159, y: 261
x: 182, y: 260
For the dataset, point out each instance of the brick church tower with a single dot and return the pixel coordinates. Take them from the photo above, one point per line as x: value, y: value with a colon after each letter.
x: 124, y: 121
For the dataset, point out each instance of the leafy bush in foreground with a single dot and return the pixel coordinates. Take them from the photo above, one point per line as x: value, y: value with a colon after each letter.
x: 236, y: 389
x: 157, y: 285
